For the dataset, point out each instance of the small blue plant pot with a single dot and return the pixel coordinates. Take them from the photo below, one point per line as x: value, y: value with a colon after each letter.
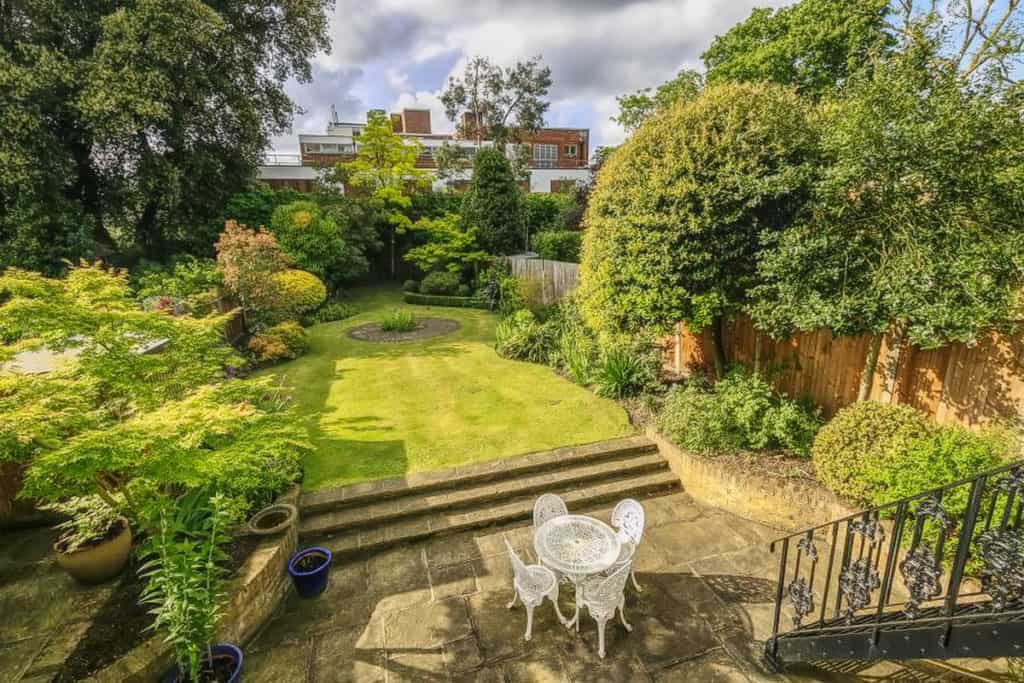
x: 310, y: 583
x: 218, y: 651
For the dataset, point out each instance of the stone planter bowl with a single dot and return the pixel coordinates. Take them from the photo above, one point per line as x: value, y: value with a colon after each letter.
x: 273, y: 519
x: 101, y: 562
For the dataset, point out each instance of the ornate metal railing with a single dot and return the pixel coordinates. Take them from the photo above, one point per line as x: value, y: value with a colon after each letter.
x: 933, y: 575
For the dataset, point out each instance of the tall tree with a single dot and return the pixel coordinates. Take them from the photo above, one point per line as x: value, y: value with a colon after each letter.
x: 384, y: 170
x: 502, y: 103
x: 493, y: 205
x: 813, y: 45
x: 634, y: 109
x: 916, y: 226
x: 116, y: 134
x: 680, y: 211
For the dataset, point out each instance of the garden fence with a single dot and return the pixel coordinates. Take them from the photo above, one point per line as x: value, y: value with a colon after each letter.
x: 557, y: 278
x: 957, y: 384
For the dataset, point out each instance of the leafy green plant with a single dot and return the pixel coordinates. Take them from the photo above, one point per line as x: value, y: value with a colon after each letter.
x: 192, y: 281
x: 545, y: 212
x: 444, y: 283
x: 325, y: 239
x: 697, y: 421
x: 521, y: 336
x: 90, y: 520
x: 283, y: 341
x: 493, y: 204
x: 185, y: 575
x: 329, y: 312
x: 563, y: 245
x: 398, y: 320
x: 864, y: 437
x: 622, y: 372
x: 410, y: 286
x: 296, y: 293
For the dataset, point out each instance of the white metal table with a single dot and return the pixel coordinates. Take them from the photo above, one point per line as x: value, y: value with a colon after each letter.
x: 576, y: 546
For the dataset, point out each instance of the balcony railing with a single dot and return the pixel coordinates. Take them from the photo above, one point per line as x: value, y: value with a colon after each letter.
x: 274, y: 159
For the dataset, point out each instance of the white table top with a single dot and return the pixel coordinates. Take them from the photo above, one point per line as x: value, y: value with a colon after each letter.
x: 576, y: 545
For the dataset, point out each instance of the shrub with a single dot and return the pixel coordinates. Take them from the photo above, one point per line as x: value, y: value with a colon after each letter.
x: 558, y: 246
x: 463, y: 290
x: 440, y: 283
x: 577, y: 348
x: 493, y: 203
x: 247, y: 261
x: 284, y: 341
x: 296, y: 294
x: 397, y: 320
x: 520, y: 293
x: 622, y: 372
x: 187, y: 280
x: 862, y: 437
x: 521, y: 336
x: 437, y: 300
x: 410, y: 286
x: 739, y: 412
x: 546, y: 212
x: 328, y: 241
x: 330, y: 312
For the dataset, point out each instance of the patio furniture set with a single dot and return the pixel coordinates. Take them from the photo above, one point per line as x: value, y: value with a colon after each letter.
x: 596, y: 558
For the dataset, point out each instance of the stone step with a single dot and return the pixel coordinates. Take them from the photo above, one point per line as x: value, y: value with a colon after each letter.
x: 460, y: 477
x: 358, y: 542
x: 373, y: 515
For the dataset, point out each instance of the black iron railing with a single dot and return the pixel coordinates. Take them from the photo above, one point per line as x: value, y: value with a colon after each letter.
x: 922, y: 566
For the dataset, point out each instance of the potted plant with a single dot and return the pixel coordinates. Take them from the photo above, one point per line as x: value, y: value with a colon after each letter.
x: 94, y: 542
x: 185, y: 576
x: 309, y: 569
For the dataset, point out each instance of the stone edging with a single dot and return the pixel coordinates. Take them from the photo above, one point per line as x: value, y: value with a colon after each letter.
x: 257, y: 590
x: 786, y: 504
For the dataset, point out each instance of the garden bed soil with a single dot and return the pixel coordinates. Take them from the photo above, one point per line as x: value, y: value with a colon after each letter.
x: 426, y: 328
x: 308, y: 563
x: 123, y: 623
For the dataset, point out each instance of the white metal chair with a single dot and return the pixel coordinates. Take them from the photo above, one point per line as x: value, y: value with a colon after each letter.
x: 548, y: 506
x: 532, y: 583
x: 602, y: 595
x: 628, y: 519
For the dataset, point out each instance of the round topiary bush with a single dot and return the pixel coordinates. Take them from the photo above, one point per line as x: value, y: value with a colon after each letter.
x: 463, y: 290
x: 410, y: 286
x: 861, y: 439
x: 443, y: 283
x: 297, y: 293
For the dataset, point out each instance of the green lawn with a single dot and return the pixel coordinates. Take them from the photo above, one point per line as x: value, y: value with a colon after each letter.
x: 379, y: 410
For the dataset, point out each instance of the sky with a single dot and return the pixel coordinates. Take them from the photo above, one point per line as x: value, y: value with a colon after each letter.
x: 390, y: 54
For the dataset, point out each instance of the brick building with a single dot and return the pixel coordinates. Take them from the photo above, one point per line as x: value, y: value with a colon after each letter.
x: 558, y: 157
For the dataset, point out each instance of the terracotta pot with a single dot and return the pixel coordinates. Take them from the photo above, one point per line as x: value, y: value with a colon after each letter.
x: 101, y: 562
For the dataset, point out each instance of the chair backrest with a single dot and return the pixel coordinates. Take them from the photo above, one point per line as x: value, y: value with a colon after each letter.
x: 548, y: 506
x: 628, y: 518
x: 610, y: 591
x: 518, y: 568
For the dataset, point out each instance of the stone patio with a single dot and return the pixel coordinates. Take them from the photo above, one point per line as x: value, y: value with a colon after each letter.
x: 436, y: 611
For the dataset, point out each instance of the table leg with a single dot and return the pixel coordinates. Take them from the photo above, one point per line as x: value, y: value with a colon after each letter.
x: 575, y: 621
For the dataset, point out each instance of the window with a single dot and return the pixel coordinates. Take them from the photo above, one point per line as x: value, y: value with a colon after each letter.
x: 311, y: 147
x: 356, y: 132
x: 544, y: 156
x: 570, y: 151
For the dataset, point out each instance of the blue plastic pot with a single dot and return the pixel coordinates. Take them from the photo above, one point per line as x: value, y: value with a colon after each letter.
x: 219, y: 650
x: 312, y: 583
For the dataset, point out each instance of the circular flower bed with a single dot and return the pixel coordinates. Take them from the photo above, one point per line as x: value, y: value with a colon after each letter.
x: 426, y: 328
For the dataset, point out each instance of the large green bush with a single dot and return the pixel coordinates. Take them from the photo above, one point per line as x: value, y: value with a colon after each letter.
x: 327, y: 240
x: 521, y: 336
x: 562, y: 245
x: 493, y: 204
x: 546, y: 212
x: 296, y: 294
x: 443, y: 283
x: 862, y: 438
x: 284, y: 341
x: 741, y: 412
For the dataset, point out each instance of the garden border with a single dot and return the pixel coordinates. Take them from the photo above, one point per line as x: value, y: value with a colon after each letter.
x: 788, y: 504
x: 417, y: 299
x: 255, y: 593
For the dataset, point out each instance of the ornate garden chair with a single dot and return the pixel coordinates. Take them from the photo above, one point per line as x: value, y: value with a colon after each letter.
x: 628, y: 520
x: 532, y: 584
x: 602, y: 595
x: 548, y: 506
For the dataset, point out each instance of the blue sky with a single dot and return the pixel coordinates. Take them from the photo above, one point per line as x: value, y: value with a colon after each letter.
x: 393, y: 53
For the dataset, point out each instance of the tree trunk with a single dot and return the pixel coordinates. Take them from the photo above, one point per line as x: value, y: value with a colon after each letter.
x: 870, y: 363
x: 890, y: 392
x: 717, y: 348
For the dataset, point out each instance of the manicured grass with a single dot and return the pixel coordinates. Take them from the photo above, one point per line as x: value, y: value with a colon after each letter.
x: 378, y: 409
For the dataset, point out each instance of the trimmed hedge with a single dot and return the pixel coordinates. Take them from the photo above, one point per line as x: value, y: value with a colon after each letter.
x: 438, y: 300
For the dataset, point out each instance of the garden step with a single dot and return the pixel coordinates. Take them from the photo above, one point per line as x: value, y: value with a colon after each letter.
x: 359, y: 542
x: 460, y: 477
x: 372, y: 515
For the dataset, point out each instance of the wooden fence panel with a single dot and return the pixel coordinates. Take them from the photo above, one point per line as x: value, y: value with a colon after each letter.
x: 954, y: 384
x: 557, y: 278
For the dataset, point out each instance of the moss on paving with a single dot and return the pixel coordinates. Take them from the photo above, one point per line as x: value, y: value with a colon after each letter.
x: 383, y: 409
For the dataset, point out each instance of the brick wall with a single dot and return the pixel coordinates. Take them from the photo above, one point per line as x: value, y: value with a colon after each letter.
x: 416, y: 121
x: 562, y: 138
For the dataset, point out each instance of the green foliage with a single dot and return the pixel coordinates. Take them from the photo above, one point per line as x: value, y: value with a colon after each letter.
x: 622, y: 371
x: 463, y: 290
x: 247, y: 261
x: 636, y: 108
x: 437, y: 300
x: 255, y: 207
x: 398, y: 320
x: 681, y: 212
x: 864, y: 437
x: 187, y: 280
x: 521, y: 336
x: 185, y: 577
x: 444, y: 283
x: 518, y: 293
x: 114, y: 137
x: 449, y: 245
x: 328, y: 241
x: 578, y: 351
x: 544, y: 212
x: 411, y: 286
x: 740, y: 412
x: 296, y: 293
x: 493, y: 204
x: 814, y: 45
x: 558, y: 246
x: 283, y: 341
x: 329, y: 312
x: 89, y: 520
x: 915, y: 224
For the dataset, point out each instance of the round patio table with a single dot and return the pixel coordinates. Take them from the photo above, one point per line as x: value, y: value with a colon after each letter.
x: 576, y: 546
